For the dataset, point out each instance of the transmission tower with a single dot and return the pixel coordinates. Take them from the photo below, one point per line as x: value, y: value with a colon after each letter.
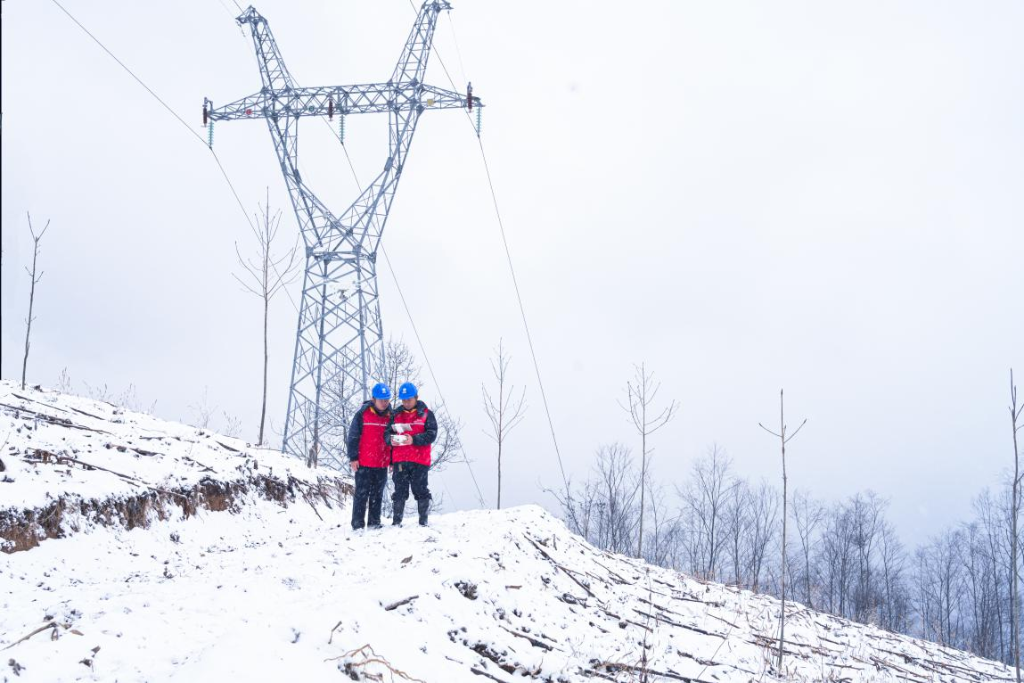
x: 339, y: 343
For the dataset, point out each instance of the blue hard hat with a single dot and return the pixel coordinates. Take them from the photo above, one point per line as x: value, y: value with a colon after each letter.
x: 381, y: 391
x: 407, y: 390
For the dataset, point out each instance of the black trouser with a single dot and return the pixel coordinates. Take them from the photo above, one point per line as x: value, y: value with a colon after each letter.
x: 408, y: 475
x: 369, y: 488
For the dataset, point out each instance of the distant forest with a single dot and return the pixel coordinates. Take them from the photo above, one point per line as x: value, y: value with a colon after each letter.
x: 844, y: 558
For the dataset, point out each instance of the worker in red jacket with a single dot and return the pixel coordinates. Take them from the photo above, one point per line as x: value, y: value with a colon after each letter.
x: 370, y: 456
x: 410, y: 432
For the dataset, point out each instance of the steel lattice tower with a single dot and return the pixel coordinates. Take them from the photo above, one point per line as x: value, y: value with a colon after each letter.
x: 339, y: 342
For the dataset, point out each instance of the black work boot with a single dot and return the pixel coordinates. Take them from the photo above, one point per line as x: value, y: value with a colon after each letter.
x: 373, y: 520
x: 396, y: 519
x: 424, y: 507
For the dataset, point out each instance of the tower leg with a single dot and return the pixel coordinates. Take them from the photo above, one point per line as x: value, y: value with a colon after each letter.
x: 339, y: 337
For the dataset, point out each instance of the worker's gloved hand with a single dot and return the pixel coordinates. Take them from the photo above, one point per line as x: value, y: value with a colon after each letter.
x: 401, y: 440
x: 400, y: 427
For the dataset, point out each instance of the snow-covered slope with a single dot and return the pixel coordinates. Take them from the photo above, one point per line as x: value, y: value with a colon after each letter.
x: 67, y: 463
x: 280, y: 592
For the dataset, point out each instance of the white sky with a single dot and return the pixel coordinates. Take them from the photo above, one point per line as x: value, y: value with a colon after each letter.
x: 747, y: 196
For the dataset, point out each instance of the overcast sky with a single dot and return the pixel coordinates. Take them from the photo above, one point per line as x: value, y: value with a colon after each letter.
x: 747, y: 196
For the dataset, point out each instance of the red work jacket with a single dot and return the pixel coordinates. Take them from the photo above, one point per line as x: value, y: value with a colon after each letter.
x: 420, y: 421
x: 373, y: 452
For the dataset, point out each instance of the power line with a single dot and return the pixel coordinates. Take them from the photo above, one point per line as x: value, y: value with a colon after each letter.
x: 226, y: 8
x: 458, y: 51
x: 430, y: 368
x: 139, y: 80
x: 522, y: 311
x: 512, y: 271
x: 173, y: 113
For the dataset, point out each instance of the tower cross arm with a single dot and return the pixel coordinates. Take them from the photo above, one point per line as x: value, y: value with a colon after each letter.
x: 439, y: 98
x: 369, y: 98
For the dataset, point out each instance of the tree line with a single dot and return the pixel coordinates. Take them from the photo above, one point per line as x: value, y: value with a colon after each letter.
x: 844, y: 558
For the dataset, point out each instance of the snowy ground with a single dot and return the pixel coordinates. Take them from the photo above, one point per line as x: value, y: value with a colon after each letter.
x: 274, y: 592
x: 132, y: 452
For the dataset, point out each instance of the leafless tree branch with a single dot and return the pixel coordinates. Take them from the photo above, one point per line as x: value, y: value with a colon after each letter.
x: 269, y: 274
x: 641, y: 392
x: 505, y: 410
x: 785, y: 512
x: 32, y: 291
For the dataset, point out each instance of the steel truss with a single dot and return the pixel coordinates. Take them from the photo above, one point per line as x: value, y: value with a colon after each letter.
x: 339, y: 340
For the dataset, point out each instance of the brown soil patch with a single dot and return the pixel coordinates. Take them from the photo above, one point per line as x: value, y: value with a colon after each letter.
x: 26, y: 529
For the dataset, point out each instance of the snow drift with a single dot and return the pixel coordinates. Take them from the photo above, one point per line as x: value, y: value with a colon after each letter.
x: 271, y: 584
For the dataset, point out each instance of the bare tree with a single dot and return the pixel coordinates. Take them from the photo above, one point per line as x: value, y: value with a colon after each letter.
x: 397, y: 365
x: 808, y: 514
x: 400, y: 365
x: 942, y: 589
x: 64, y: 383
x: 663, y: 543
x: 962, y: 582
x: 618, y: 484
x: 837, y: 549
x: 981, y: 630
x: 232, y: 425
x: 868, y: 522
x: 705, y: 504
x: 764, y: 502
x: 32, y: 291
x: 267, y: 274
x: 783, y: 440
x: 579, y: 508
x: 1015, y: 414
x: 605, y: 511
x: 737, y: 524
x: 990, y: 516
x: 341, y: 397
x: 641, y: 393
x: 447, y: 448
x: 894, y: 599
x: 505, y: 411
x: 202, y: 411
x: 950, y: 587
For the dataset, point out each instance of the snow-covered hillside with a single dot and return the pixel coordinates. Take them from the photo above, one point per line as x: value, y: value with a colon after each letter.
x: 69, y: 463
x: 269, y: 583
